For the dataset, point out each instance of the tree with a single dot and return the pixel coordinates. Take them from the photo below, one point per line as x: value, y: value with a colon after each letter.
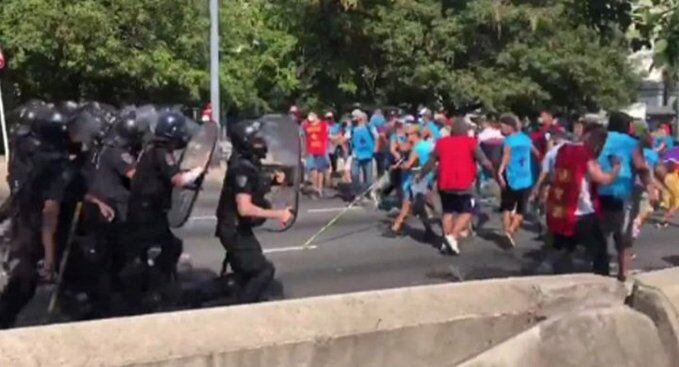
x: 502, y: 54
x: 656, y: 25
x: 129, y: 51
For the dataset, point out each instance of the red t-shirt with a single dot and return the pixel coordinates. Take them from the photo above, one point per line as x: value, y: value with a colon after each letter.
x: 539, y: 137
x: 316, y: 136
x: 457, y: 167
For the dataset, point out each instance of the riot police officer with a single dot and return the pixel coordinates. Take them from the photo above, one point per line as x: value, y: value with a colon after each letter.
x: 35, y: 212
x: 99, y: 256
x: 156, y: 174
x: 242, y: 206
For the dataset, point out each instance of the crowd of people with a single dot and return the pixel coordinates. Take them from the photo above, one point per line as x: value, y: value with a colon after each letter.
x: 583, y: 181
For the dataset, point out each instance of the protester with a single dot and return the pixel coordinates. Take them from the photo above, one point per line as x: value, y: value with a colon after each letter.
x: 670, y: 202
x: 548, y: 126
x: 415, y: 190
x: 572, y: 200
x: 644, y: 208
x: 579, y: 129
x: 615, y: 199
x: 363, y: 144
x: 443, y: 123
x: 663, y: 141
x: 514, y: 175
x: 539, y: 193
x: 295, y: 114
x: 334, y: 135
x: 316, y: 142
x: 379, y: 124
x: 489, y: 131
x: 457, y: 156
x: 399, y: 149
x: 430, y: 131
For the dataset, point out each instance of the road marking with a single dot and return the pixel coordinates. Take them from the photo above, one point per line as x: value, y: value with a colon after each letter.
x: 289, y: 249
x: 205, y: 217
x: 330, y: 210
x: 319, y: 210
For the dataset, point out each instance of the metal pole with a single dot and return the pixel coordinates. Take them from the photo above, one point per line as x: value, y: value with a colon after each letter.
x: 5, y: 141
x: 214, y: 59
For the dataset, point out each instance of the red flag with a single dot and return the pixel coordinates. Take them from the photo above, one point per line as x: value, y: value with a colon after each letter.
x: 2, y: 60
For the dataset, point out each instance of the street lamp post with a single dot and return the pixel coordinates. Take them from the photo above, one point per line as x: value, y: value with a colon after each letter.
x: 214, y: 60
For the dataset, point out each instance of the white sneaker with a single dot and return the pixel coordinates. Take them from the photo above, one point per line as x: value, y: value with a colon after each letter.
x: 452, y: 244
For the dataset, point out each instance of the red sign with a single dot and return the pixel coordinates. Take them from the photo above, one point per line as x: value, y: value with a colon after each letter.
x: 2, y: 60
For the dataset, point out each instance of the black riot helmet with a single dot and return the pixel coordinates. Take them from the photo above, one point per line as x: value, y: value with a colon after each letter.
x: 69, y: 108
x: 172, y: 128
x: 128, y: 130
x: 51, y: 126
x: 246, y: 138
x: 86, y: 127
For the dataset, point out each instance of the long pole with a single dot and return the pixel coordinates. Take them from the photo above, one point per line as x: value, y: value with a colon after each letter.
x: 5, y: 141
x: 214, y: 60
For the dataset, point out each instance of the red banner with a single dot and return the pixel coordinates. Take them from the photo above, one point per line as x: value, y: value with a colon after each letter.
x: 2, y: 60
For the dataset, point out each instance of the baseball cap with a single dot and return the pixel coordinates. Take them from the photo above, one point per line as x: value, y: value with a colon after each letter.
x: 359, y: 115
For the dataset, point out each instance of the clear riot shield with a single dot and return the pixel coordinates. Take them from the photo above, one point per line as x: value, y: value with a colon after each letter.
x: 197, y: 153
x: 283, y: 164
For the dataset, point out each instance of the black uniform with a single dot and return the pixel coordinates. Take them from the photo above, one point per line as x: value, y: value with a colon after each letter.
x: 244, y: 253
x: 50, y: 175
x: 100, y: 254
x: 150, y: 201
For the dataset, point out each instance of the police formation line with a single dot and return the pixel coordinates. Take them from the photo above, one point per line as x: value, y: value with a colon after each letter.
x: 120, y: 167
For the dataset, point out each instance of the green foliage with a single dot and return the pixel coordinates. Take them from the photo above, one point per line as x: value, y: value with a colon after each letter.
x: 503, y: 54
x: 656, y: 23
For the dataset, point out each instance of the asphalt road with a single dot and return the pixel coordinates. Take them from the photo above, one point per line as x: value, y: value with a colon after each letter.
x: 353, y: 255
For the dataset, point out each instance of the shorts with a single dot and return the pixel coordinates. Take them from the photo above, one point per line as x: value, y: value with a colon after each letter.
x: 511, y: 200
x: 617, y: 217
x: 412, y: 187
x: 317, y: 163
x: 456, y: 203
x: 670, y: 196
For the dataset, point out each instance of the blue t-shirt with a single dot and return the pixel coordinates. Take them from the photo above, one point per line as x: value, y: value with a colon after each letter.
x: 423, y: 150
x: 376, y: 121
x: 621, y: 146
x: 431, y: 126
x: 651, y: 157
x: 669, y: 142
x: 519, y: 173
x: 334, y: 129
x: 362, y: 143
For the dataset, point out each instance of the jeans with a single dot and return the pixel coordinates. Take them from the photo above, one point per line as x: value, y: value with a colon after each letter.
x: 366, y: 167
x: 382, y: 160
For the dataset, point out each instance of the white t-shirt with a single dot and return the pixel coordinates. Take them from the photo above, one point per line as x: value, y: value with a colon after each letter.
x: 490, y: 134
x: 585, y: 205
x: 550, y: 158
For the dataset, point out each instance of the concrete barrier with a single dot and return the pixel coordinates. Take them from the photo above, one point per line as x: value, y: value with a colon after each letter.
x: 421, y: 326
x: 615, y: 336
x: 656, y: 294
